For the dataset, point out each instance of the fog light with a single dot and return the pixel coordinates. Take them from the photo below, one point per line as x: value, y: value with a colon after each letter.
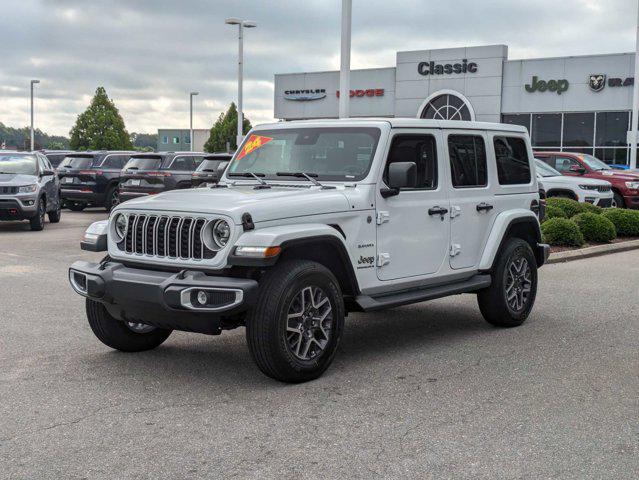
x: 29, y: 203
x: 202, y: 297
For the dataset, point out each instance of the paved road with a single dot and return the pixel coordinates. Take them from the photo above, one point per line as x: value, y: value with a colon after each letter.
x: 426, y: 391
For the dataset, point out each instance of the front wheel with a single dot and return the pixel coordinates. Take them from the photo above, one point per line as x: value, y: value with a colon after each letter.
x: 112, y: 199
x: 56, y: 215
x: 295, y: 328
x: 511, y: 296
x: 617, y: 201
x: 37, y: 223
x: 124, y: 336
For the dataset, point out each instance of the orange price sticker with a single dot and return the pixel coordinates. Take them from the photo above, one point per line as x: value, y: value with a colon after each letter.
x: 253, y: 143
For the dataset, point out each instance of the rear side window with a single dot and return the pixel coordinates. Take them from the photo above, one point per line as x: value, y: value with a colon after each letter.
x: 513, y: 165
x: 185, y: 163
x: 420, y: 149
x: 115, y: 161
x: 467, y: 161
x: 144, y: 163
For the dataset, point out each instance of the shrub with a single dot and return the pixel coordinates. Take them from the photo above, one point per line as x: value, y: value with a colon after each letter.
x: 563, y: 232
x: 625, y: 221
x: 570, y: 207
x: 595, y: 228
x: 554, y: 212
x: 590, y: 208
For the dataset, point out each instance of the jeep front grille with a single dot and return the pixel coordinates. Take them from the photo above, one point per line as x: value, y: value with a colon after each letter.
x: 166, y: 236
x: 8, y: 190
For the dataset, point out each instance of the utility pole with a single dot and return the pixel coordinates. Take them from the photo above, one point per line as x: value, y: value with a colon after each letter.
x: 345, y: 66
x: 33, y: 82
x: 191, y: 118
x: 635, y: 104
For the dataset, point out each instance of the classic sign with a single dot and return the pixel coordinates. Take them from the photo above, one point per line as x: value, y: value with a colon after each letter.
x: 557, y: 86
x: 432, y: 68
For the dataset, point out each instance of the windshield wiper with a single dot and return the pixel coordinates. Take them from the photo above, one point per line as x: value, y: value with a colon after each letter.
x: 311, y: 177
x: 256, y: 176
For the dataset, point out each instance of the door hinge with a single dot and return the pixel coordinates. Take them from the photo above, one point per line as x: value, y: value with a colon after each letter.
x: 382, y: 217
x: 455, y: 249
x: 383, y: 259
x: 455, y: 211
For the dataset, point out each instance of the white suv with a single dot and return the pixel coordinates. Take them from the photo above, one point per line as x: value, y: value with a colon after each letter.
x: 591, y: 190
x: 315, y: 219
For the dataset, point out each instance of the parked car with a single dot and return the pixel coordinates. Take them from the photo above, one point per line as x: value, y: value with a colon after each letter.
x: 56, y: 156
x: 597, y: 192
x: 91, y: 179
x: 619, y: 166
x: 312, y: 220
x: 29, y: 188
x: 625, y: 184
x: 153, y: 173
x: 211, y: 169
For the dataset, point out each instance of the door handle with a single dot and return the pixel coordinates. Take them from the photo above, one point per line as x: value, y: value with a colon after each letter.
x: 436, y: 210
x: 484, y: 206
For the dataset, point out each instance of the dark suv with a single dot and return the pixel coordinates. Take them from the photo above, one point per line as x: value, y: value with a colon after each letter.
x: 211, y: 169
x: 56, y: 156
x: 91, y: 178
x: 151, y: 173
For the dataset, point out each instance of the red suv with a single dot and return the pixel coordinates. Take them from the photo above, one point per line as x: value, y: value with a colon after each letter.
x: 625, y: 183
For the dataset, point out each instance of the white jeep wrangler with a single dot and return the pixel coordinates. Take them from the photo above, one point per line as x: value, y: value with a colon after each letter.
x: 316, y: 219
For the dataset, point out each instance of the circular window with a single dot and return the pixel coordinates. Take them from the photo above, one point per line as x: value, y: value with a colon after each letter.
x: 447, y: 107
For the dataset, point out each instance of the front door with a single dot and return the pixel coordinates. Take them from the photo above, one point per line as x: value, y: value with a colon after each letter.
x: 472, y: 205
x: 413, y: 227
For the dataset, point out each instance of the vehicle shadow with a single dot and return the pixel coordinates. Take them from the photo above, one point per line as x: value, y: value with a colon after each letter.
x: 224, y: 362
x: 14, y: 226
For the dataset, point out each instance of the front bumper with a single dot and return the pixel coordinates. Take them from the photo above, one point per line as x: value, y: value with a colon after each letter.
x: 631, y: 201
x: 542, y: 254
x: 163, y: 299
x: 17, y: 208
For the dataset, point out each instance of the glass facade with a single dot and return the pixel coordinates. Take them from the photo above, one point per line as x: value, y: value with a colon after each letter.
x: 602, y: 134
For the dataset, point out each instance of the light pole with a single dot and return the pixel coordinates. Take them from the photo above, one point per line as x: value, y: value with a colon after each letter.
x: 240, y: 71
x: 33, y: 82
x: 191, y: 117
x: 345, y: 66
x: 635, y: 105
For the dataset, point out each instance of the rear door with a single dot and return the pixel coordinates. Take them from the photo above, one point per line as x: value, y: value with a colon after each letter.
x: 413, y: 227
x: 76, y: 172
x: 472, y: 210
x: 182, y: 168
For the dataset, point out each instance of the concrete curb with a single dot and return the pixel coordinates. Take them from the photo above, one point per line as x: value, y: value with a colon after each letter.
x: 570, y: 255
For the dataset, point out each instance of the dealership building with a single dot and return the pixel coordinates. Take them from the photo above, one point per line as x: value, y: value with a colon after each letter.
x: 577, y: 104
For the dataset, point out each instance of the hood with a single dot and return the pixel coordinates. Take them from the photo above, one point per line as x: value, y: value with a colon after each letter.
x: 16, y: 179
x: 630, y: 175
x: 263, y: 204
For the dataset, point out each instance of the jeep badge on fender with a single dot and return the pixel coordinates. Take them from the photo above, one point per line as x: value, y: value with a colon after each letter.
x: 285, y: 246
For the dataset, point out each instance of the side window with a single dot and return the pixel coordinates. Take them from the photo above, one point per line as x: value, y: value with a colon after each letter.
x: 197, y: 161
x: 182, y: 163
x: 467, y: 161
x: 513, y: 165
x: 420, y: 149
x: 563, y: 164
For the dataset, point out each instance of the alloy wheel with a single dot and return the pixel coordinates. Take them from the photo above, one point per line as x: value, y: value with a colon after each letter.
x: 518, y: 283
x: 140, y: 327
x: 309, y: 323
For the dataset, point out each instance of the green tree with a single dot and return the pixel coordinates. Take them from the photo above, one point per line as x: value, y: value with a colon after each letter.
x: 100, y: 126
x: 55, y: 146
x: 225, y: 130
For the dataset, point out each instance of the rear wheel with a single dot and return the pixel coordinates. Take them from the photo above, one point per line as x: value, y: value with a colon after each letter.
x: 37, y: 222
x: 124, y: 336
x: 294, y: 329
x: 511, y: 296
x: 112, y: 199
x: 77, y: 207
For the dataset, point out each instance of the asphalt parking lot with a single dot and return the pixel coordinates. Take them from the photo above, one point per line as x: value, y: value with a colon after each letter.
x: 424, y: 391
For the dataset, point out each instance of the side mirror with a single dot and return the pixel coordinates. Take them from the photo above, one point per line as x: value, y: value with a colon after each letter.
x: 46, y: 173
x: 400, y: 175
x: 577, y: 169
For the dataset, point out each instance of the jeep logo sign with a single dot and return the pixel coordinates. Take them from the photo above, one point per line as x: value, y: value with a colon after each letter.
x: 557, y: 86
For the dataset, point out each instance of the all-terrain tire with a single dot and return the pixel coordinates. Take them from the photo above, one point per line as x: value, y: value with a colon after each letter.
x: 37, y: 223
x: 116, y: 334
x: 618, y: 200
x: 267, y: 324
x: 112, y: 199
x: 515, y: 273
x: 56, y: 215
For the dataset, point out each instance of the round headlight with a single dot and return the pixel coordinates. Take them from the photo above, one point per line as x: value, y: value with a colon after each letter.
x: 120, y: 226
x: 221, y: 233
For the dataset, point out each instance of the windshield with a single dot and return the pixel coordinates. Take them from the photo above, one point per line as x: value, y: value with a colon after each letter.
x: 76, y: 162
x: 143, y: 163
x: 338, y: 154
x: 546, y: 170
x: 20, y: 164
x: 594, y: 163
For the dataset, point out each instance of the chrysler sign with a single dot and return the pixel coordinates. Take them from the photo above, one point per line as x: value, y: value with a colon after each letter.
x: 305, y: 95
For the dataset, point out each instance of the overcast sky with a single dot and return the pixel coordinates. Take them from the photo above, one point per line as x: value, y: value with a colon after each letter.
x: 149, y: 54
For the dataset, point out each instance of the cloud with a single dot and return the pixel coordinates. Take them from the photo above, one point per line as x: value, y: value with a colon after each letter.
x: 149, y: 54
